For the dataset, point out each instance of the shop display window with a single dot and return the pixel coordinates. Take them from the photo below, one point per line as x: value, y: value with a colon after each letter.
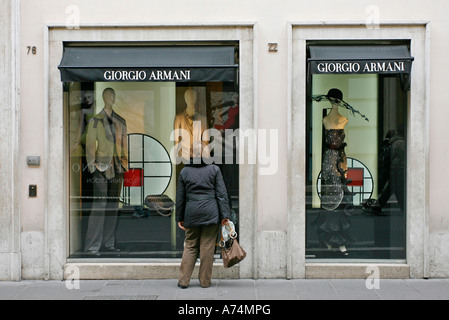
x: 356, y: 151
x: 125, y: 128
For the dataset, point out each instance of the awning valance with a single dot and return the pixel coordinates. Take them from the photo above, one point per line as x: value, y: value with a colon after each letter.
x: 148, y: 63
x: 328, y: 59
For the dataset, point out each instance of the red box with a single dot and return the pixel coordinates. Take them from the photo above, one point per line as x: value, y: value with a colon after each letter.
x: 356, y: 175
x: 133, y: 178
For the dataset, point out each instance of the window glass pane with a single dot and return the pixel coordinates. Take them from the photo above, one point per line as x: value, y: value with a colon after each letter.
x: 355, y: 191
x: 114, y: 211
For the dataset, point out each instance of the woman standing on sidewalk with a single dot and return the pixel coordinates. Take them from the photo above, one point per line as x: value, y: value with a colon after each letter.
x: 201, y: 204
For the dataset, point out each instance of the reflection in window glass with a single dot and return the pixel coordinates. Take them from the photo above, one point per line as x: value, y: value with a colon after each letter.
x: 125, y: 131
x: 356, y: 167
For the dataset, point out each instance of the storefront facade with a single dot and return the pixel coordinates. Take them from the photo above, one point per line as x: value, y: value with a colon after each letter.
x: 382, y: 236
x: 261, y: 91
x: 155, y: 92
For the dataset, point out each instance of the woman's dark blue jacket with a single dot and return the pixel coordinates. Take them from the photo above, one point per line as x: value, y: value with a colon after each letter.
x: 201, y: 196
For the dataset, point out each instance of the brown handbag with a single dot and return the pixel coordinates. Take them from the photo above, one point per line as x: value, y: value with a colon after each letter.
x: 233, y: 255
x: 231, y: 252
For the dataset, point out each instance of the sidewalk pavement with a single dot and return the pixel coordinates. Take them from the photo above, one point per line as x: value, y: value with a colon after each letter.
x: 229, y: 290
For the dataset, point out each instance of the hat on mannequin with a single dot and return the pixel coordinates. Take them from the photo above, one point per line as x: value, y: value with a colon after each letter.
x: 336, y: 96
x: 335, y: 93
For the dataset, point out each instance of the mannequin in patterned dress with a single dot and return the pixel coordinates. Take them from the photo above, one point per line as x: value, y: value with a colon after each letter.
x: 333, y: 223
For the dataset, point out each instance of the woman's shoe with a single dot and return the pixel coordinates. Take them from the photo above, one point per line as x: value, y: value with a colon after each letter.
x: 182, y: 286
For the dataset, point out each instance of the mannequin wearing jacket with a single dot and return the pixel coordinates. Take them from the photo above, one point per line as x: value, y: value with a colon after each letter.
x: 107, y: 160
x: 196, y: 131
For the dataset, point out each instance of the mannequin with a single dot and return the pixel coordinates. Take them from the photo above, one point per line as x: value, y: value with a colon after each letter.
x: 107, y: 160
x: 185, y: 121
x: 334, y: 120
x: 333, y: 222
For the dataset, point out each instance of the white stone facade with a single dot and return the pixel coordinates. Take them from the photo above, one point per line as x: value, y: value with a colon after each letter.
x: 33, y: 231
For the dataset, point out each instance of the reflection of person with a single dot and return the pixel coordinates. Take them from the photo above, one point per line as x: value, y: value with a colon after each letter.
x: 107, y: 160
x: 333, y: 223
x: 394, y: 170
x: 184, y: 121
x: 201, y: 203
x: 84, y: 115
x: 87, y: 113
x: 384, y: 160
x: 225, y: 117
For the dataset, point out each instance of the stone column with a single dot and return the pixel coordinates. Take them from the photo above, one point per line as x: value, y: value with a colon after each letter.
x: 10, y: 257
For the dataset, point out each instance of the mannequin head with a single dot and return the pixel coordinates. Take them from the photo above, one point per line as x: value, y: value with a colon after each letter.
x: 109, y: 97
x: 190, y: 98
x: 88, y: 98
x: 335, y: 96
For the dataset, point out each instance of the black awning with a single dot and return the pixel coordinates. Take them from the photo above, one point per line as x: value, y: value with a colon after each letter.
x: 359, y: 59
x: 148, y: 63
